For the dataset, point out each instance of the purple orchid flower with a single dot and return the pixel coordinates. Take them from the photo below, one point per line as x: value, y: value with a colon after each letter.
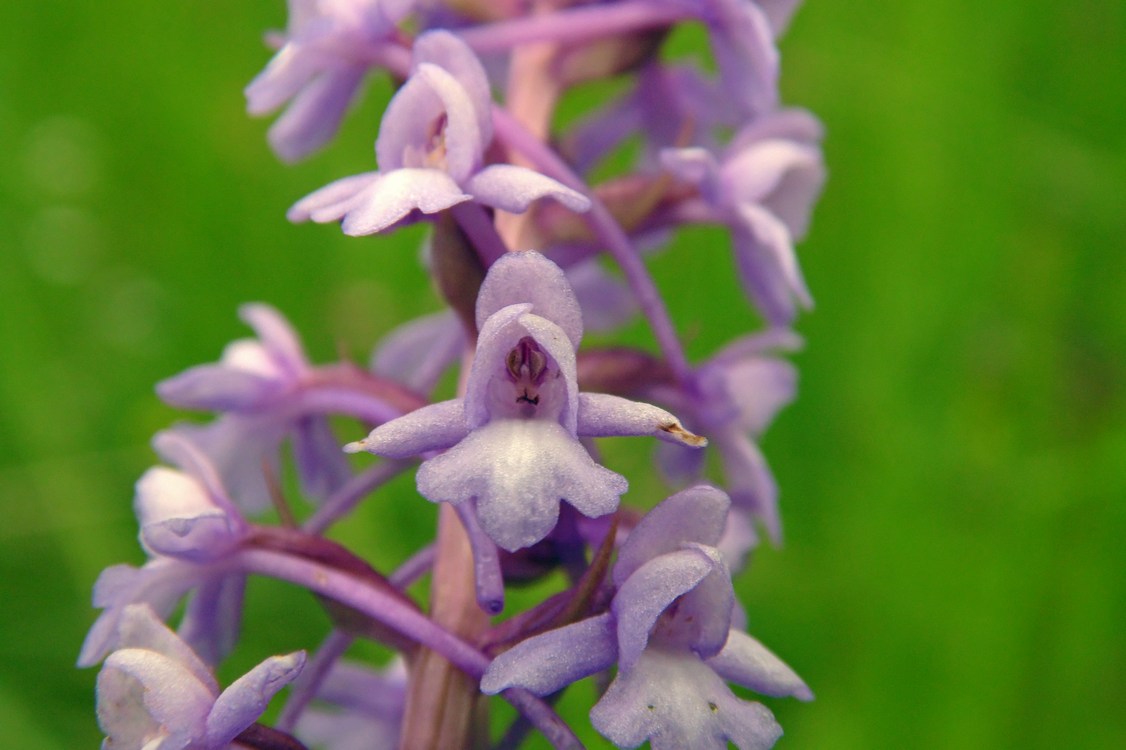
x: 669, y: 631
x: 323, y: 57
x: 264, y: 391
x: 154, y: 692
x: 737, y: 394
x: 431, y: 149
x: 763, y: 187
x: 513, y: 439
x: 188, y: 526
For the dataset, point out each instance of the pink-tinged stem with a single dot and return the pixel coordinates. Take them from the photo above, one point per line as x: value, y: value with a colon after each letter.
x: 608, y: 231
x: 582, y: 24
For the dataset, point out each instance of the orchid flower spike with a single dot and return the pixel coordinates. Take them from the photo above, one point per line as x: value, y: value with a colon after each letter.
x: 513, y: 439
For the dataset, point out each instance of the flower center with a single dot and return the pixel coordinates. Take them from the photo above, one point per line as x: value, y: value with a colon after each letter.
x: 526, y: 366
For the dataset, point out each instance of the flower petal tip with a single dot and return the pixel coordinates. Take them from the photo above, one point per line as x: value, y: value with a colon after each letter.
x: 681, y: 435
x: 356, y: 446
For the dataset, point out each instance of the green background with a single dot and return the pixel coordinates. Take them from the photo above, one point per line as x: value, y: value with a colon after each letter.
x: 953, y: 474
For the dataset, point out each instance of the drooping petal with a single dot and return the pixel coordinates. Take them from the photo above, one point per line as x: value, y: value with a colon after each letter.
x: 512, y: 188
x: 695, y: 165
x: 213, y: 616
x: 768, y: 267
x: 743, y: 45
x: 646, y: 594
x: 528, y: 277
x: 243, y: 702
x: 697, y: 514
x: 675, y: 701
x: 760, y: 387
x: 747, y: 662
x: 321, y: 465
x: 430, y: 428
x: 604, y: 415
x: 314, y: 115
x: 606, y: 300
x: 391, y: 198
x: 519, y: 471
x: 749, y: 480
x: 552, y: 660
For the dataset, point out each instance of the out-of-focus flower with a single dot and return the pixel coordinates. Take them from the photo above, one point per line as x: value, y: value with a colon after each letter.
x: 327, y: 49
x: 431, y: 149
x: 154, y: 693
x: 188, y: 525
x: 735, y: 396
x: 763, y: 187
x: 357, y: 708
x: 669, y: 631
x: 513, y: 439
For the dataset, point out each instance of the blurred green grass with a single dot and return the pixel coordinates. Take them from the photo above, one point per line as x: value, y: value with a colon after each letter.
x: 952, y: 475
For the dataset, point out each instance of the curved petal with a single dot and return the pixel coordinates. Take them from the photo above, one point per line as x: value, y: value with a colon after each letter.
x: 418, y: 352
x: 604, y: 415
x: 218, y: 388
x: 783, y: 176
x: 430, y: 428
x: 331, y: 202
x: 519, y: 471
x: 697, y: 514
x: 243, y: 702
x: 447, y: 51
x: 768, y: 267
x: 277, y: 335
x: 178, y: 518
x: 501, y: 333
x: 552, y: 660
x: 512, y: 188
x: 747, y: 662
x: 140, y: 628
x: 389, y: 199
x: 143, y: 695
x: 529, y: 277
x: 675, y: 701
x: 646, y: 594
x: 606, y: 300
x: 314, y: 115
x: 749, y: 480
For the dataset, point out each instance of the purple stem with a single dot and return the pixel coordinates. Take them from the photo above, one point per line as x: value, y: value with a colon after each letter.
x: 573, y: 25
x: 608, y: 231
x: 414, y: 568
x: 479, y: 228
x: 385, y: 608
x: 305, y: 688
x: 341, y: 502
x: 486, y: 561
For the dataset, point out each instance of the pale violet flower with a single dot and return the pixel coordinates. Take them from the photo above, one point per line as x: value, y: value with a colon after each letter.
x: 188, y: 526
x: 357, y: 708
x: 326, y: 51
x: 736, y: 396
x: 154, y: 693
x: 669, y: 630
x: 513, y: 440
x: 763, y: 187
x: 431, y: 150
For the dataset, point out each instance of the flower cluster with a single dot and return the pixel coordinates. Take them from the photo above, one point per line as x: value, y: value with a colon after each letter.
x: 527, y: 253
